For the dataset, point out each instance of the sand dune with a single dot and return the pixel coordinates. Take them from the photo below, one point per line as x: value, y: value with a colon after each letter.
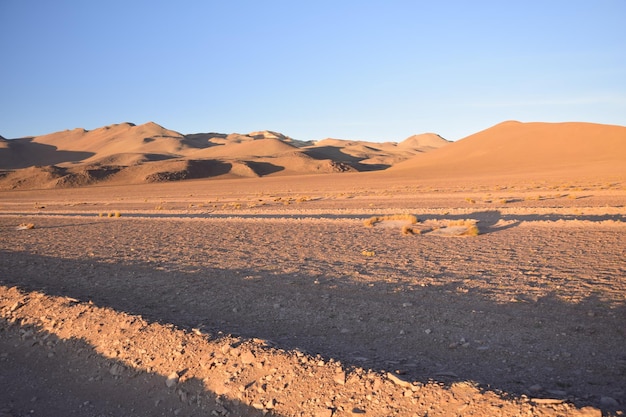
x: 425, y: 141
x: 127, y: 153
x: 254, y: 148
x: 518, y: 148
x: 135, y: 154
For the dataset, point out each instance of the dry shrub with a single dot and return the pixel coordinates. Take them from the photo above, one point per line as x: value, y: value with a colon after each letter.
x: 470, y: 224
x: 368, y: 253
x: 407, y: 230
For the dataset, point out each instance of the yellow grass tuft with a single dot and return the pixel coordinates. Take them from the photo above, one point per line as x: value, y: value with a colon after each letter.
x: 407, y: 230
x: 368, y: 253
x: 470, y: 224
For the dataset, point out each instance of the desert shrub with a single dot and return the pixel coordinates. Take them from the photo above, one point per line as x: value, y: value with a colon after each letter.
x: 471, y: 231
x: 410, y: 218
x: 407, y: 230
x: 470, y: 224
x: 368, y: 253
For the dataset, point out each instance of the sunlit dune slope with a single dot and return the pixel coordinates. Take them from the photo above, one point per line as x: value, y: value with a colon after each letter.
x: 518, y: 148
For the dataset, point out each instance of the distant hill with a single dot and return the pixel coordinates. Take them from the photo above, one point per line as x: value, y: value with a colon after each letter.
x: 130, y: 154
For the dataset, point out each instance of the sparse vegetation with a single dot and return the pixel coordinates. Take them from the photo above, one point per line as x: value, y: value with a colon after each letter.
x: 408, y: 230
x: 470, y: 224
x: 368, y: 253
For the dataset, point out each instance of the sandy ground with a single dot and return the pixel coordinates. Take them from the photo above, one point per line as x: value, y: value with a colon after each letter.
x: 271, y: 297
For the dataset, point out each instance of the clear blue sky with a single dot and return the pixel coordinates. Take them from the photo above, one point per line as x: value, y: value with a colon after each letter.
x: 371, y: 70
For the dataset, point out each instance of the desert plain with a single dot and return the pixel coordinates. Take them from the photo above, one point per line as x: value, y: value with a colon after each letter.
x: 482, y: 277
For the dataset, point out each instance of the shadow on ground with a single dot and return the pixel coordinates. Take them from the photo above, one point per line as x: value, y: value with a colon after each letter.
x: 572, y: 350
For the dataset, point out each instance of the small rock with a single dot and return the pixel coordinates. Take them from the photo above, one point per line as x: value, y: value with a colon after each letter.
x: 398, y: 381
x: 116, y: 369
x: 15, y: 306
x: 247, y: 358
x: 172, y: 380
x: 340, y: 378
x: 357, y: 410
x: 608, y: 402
x: 28, y: 334
x: 428, y: 331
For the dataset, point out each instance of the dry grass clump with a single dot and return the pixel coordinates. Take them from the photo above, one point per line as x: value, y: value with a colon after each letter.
x: 114, y: 214
x: 470, y: 224
x: 407, y: 230
x: 368, y: 253
x: 410, y: 218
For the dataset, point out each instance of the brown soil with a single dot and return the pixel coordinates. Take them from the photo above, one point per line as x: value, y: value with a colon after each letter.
x: 271, y: 297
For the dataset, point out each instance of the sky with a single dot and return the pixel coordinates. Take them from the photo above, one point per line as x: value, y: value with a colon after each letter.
x: 348, y: 69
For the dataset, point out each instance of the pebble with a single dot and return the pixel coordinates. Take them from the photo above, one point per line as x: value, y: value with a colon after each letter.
x: 340, y: 378
x: 608, y: 402
x: 172, y: 380
x: 15, y: 306
x: 116, y: 369
x: 247, y: 358
x: 326, y: 412
x: 398, y: 381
